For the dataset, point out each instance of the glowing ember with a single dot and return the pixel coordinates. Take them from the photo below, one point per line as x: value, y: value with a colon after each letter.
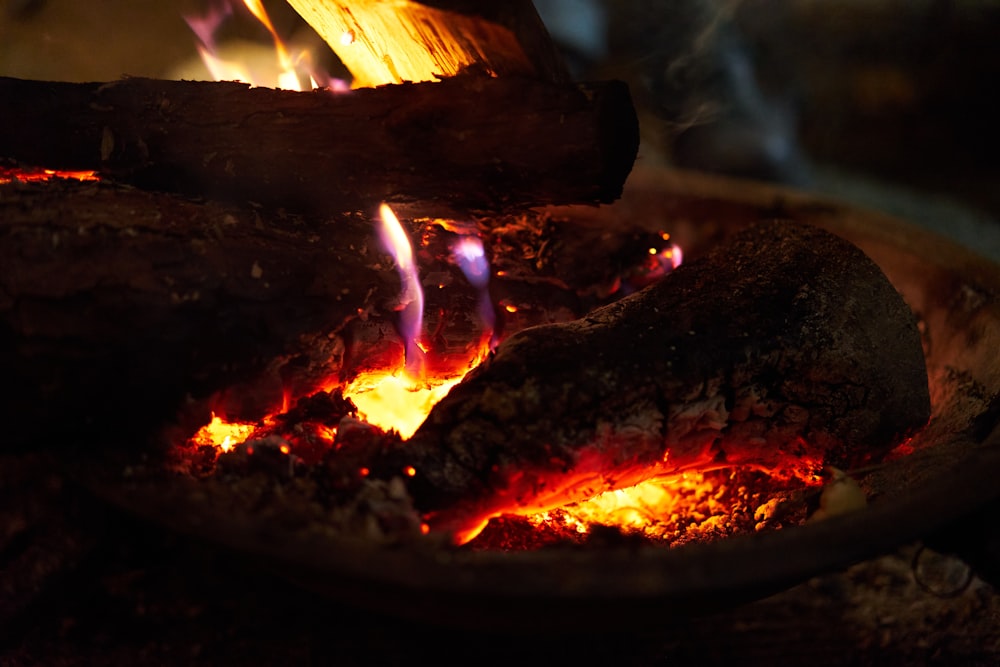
x: 687, y: 506
x: 34, y: 175
x: 675, y: 510
x: 656, y: 509
x: 221, y: 434
x: 396, y: 401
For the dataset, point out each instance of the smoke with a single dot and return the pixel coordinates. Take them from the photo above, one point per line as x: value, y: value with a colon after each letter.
x: 694, y: 78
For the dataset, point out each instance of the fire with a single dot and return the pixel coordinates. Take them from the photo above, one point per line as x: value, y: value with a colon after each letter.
x: 392, y: 42
x: 684, y: 506
x: 295, y: 68
x: 221, y: 434
x: 401, y: 398
x: 397, y: 244
x: 395, y: 400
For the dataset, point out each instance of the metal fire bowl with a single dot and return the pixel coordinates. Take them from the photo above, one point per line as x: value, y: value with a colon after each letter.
x: 953, y: 472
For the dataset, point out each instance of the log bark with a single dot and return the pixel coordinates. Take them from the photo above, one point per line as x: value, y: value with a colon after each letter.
x: 391, y: 42
x: 118, y: 305
x: 470, y: 142
x: 785, y: 348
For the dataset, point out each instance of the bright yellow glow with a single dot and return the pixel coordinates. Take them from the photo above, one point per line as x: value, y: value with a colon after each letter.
x: 396, y: 238
x: 221, y: 434
x: 395, y: 401
x: 651, y: 508
x: 384, y: 42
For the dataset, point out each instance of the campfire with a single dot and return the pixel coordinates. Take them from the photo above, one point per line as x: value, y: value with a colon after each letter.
x: 429, y: 313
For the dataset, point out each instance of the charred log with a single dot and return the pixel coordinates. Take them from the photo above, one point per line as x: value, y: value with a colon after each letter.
x: 468, y: 141
x: 786, y: 345
x: 116, y: 304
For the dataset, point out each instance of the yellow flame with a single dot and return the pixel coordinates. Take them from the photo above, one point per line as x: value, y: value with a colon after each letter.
x: 288, y: 78
x: 293, y: 66
x: 396, y: 238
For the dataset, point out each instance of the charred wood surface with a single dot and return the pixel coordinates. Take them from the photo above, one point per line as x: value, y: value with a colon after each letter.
x: 116, y: 303
x: 787, y: 344
x: 468, y: 141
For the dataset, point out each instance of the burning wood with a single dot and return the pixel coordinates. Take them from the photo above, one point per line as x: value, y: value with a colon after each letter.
x: 468, y: 141
x: 784, y: 349
x: 118, y: 305
x: 391, y: 42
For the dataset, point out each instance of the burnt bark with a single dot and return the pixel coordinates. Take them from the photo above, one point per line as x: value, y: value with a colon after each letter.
x: 116, y: 304
x: 784, y: 347
x: 469, y: 141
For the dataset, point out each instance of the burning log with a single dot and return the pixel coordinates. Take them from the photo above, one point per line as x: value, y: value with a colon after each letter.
x: 118, y: 304
x: 469, y: 141
x: 786, y: 348
x: 391, y: 42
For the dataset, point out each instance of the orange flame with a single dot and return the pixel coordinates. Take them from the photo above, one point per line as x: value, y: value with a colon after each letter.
x: 295, y: 67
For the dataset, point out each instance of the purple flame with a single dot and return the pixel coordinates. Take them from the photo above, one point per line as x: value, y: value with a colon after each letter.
x: 470, y: 256
x: 411, y: 310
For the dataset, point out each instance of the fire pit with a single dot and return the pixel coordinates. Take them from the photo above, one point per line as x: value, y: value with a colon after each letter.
x: 948, y: 473
x: 944, y: 473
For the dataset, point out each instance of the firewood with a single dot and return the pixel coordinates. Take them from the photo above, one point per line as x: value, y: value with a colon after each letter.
x: 785, y: 347
x: 118, y: 305
x: 391, y: 42
x: 468, y: 141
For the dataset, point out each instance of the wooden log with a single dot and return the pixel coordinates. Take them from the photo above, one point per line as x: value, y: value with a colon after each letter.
x: 784, y: 348
x: 469, y: 141
x: 118, y: 305
x: 384, y: 42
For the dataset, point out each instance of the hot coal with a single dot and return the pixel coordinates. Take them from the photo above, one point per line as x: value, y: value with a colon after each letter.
x: 783, y: 349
